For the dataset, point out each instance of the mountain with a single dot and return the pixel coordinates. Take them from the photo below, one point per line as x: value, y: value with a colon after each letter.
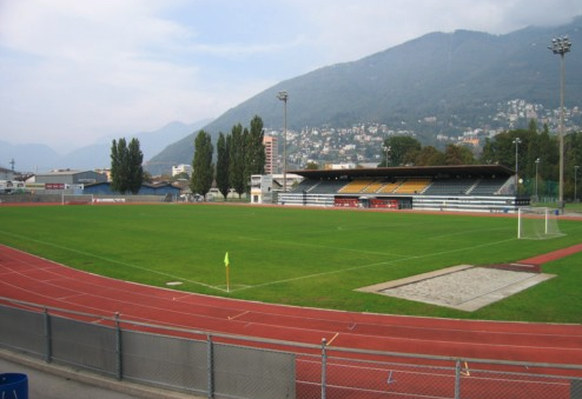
x: 95, y: 155
x: 37, y: 155
x: 456, y: 77
x: 151, y: 143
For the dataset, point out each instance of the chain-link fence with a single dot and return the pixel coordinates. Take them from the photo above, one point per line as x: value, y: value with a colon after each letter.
x: 37, y: 198
x: 226, y: 366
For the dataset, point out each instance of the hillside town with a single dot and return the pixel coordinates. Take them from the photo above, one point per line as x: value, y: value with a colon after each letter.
x: 329, y: 147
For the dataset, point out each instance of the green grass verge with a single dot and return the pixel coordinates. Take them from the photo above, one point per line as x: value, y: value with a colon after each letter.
x: 304, y: 257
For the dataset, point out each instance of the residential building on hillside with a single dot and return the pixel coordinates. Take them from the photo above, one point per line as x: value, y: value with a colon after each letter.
x: 182, y: 168
x: 271, y: 154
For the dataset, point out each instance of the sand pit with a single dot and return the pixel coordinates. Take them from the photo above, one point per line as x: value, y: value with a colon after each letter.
x: 463, y: 287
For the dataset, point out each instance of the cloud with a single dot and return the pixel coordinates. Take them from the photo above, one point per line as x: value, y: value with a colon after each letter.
x: 351, y: 30
x: 72, y: 71
x: 80, y: 70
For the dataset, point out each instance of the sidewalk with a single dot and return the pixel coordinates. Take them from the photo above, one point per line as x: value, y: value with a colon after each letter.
x: 55, y: 382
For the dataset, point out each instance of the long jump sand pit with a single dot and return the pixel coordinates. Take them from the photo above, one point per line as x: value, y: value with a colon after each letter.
x: 463, y: 287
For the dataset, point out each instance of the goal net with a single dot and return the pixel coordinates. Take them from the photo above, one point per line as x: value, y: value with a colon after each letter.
x: 77, y: 199
x: 537, y: 224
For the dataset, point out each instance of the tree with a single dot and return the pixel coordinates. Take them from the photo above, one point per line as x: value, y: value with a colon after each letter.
x: 222, y: 164
x: 429, y: 156
x: 126, y: 166
x: 255, y: 157
x: 179, y: 176
x: 573, y: 158
x: 117, y: 168
x: 549, y: 155
x: 147, y: 177
x: 400, y: 148
x: 202, y: 166
x: 135, y: 167
x: 237, y: 160
x: 312, y: 165
x: 458, y: 155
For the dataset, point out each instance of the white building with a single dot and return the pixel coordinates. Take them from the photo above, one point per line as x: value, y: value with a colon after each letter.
x: 261, y: 189
x: 182, y: 168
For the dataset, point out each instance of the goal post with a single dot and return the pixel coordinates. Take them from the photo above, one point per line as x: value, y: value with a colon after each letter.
x: 537, y: 223
x: 77, y: 199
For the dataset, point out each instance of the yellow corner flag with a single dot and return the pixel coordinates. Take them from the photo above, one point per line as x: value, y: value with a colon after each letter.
x: 226, y: 264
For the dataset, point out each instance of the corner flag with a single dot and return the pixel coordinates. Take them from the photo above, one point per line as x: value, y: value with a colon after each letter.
x: 226, y: 264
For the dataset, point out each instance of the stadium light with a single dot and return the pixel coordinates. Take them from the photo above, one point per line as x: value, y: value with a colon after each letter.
x: 537, y: 176
x: 283, y: 96
x: 576, y: 182
x: 387, y: 150
x: 517, y: 142
x: 561, y: 46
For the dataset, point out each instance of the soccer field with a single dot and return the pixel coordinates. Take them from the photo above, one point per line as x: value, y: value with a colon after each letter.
x: 307, y: 257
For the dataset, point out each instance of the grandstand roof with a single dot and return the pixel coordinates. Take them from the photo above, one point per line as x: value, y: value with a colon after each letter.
x: 409, y: 171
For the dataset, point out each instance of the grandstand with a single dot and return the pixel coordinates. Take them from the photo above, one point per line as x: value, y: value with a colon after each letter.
x: 480, y: 188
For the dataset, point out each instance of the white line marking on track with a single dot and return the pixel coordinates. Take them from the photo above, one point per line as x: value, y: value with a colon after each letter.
x: 238, y: 315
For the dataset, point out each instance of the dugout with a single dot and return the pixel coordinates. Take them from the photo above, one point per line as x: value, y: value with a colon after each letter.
x: 483, y: 188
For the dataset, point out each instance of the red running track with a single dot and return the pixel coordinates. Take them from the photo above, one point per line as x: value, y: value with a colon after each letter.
x: 28, y: 278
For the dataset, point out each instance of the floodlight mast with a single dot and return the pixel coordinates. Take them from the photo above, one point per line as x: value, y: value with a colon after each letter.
x: 517, y: 142
x: 283, y: 96
x: 560, y: 46
x: 537, y: 177
x: 576, y: 167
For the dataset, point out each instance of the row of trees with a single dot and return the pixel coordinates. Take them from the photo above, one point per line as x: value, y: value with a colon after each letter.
x: 127, y: 173
x: 404, y: 150
x: 239, y: 155
x: 537, y: 152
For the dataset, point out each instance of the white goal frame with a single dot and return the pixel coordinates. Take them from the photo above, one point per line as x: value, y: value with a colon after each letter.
x: 77, y: 199
x: 537, y: 223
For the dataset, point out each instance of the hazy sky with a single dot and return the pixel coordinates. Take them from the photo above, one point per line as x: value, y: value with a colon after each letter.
x: 72, y: 71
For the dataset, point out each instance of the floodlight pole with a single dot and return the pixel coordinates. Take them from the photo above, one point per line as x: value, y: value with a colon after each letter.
x: 387, y: 150
x: 561, y: 46
x: 537, y: 176
x: 283, y: 96
x: 576, y: 182
x: 517, y: 142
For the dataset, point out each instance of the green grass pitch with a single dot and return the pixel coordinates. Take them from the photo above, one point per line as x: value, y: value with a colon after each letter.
x: 306, y: 257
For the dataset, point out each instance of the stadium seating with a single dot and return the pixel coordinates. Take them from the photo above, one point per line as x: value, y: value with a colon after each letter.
x: 356, y: 186
x: 488, y: 186
x: 347, y: 202
x: 450, y: 187
x: 327, y: 187
x: 305, y: 185
x: 390, y: 187
x: 413, y: 186
x: 373, y: 187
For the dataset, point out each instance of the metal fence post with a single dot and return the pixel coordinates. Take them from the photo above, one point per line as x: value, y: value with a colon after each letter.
x: 210, y: 365
x: 118, y: 348
x: 323, y: 367
x: 47, y: 337
x: 458, y: 379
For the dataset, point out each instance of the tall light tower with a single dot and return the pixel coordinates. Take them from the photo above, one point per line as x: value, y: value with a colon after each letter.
x: 517, y: 142
x: 561, y: 46
x: 283, y: 96
x: 537, y: 178
x: 387, y: 150
x: 576, y: 182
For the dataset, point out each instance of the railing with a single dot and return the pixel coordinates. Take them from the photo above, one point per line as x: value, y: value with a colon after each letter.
x: 228, y: 366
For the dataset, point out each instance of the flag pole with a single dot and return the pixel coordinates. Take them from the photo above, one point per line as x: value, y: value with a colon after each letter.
x: 227, y: 265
